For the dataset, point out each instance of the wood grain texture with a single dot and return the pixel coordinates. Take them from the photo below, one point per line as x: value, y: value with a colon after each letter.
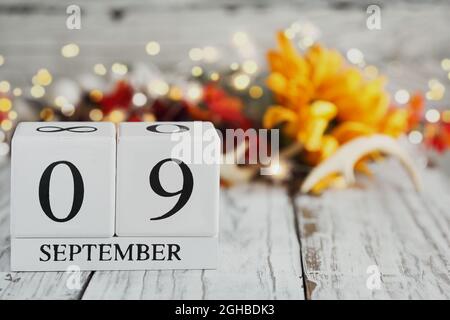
x: 408, y: 48
x: 259, y: 257
x: 385, y: 223
x: 28, y: 285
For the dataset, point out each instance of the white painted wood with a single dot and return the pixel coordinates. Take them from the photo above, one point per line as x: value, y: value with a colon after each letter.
x: 67, y: 178
x: 167, y: 179
x: 117, y: 253
x: 28, y: 285
x: 383, y: 222
x: 258, y: 257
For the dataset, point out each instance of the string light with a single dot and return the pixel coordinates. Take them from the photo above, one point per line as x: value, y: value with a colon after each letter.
x: 234, y: 66
x: 194, y: 92
x: 250, y: 66
x: 4, y: 86
x: 119, y: 69
x: 43, y: 77
x: 152, y: 48
x: 148, y: 117
x: 175, y: 93
x: 139, y: 99
x: 278, y: 171
x: 37, y: 91
x: 68, y: 109
x: 6, y: 124
x: 289, y: 33
x: 240, y: 39
x: 47, y: 114
x: 96, y: 115
x: 5, y: 104
x: 355, y: 56
x: 70, y: 50
x: 436, y: 90
x: 256, y: 92
x: 241, y: 81
x: 210, y: 54
x: 100, y: 69
x: 158, y: 88
x: 214, y: 76
x: 402, y: 96
x: 116, y: 116
x: 197, y: 71
x: 415, y: 137
x: 432, y: 115
x: 95, y: 95
x: 445, y: 64
x: 446, y: 116
x: 17, y: 92
x: 196, y: 54
x: 12, y: 115
x: 60, y: 101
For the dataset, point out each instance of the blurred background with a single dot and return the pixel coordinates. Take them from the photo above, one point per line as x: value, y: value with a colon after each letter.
x: 168, y: 39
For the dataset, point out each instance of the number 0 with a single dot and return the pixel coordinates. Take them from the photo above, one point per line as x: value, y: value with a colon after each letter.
x: 185, y: 191
x: 44, y: 190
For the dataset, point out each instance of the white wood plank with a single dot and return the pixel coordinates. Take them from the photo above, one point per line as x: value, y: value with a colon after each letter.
x: 258, y: 257
x: 383, y: 222
x: 29, y: 285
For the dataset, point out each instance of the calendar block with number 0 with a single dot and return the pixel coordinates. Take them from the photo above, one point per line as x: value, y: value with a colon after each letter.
x: 143, y: 198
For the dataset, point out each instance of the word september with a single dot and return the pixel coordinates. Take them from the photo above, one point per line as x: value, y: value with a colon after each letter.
x: 110, y: 252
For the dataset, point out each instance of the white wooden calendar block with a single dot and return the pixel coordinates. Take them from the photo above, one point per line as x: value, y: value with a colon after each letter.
x: 167, y: 179
x: 63, y: 180
x: 115, y: 253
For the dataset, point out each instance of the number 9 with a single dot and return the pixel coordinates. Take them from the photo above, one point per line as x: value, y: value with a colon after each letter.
x: 185, y: 192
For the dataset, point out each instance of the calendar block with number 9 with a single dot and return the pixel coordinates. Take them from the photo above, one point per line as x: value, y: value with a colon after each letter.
x: 167, y: 179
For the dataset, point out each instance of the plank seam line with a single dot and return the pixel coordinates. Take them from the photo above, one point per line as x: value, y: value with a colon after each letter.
x: 297, y: 233
x: 85, y: 285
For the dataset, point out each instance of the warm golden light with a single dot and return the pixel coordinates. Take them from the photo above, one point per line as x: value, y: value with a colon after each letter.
x: 139, y: 99
x: 250, y: 67
x: 43, y: 77
x: 196, y: 54
x: 256, y: 92
x: 7, y: 124
x: 175, y: 93
x: 158, y: 88
x: 37, y: 91
x: 119, y: 69
x: 197, y: 71
x: 17, y: 92
x: 240, y: 39
x: 70, y: 50
x: 5, y: 104
x: 4, y: 86
x: 152, y: 48
x: 100, y: 69
x: 241, y: 81
x: 95, y: 95
x: 96, y: 115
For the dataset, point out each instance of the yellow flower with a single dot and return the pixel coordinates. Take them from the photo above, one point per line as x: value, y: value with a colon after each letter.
x: 323, y: 102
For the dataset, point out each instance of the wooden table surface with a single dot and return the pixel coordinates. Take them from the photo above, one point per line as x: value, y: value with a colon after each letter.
x: 273, y: 246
